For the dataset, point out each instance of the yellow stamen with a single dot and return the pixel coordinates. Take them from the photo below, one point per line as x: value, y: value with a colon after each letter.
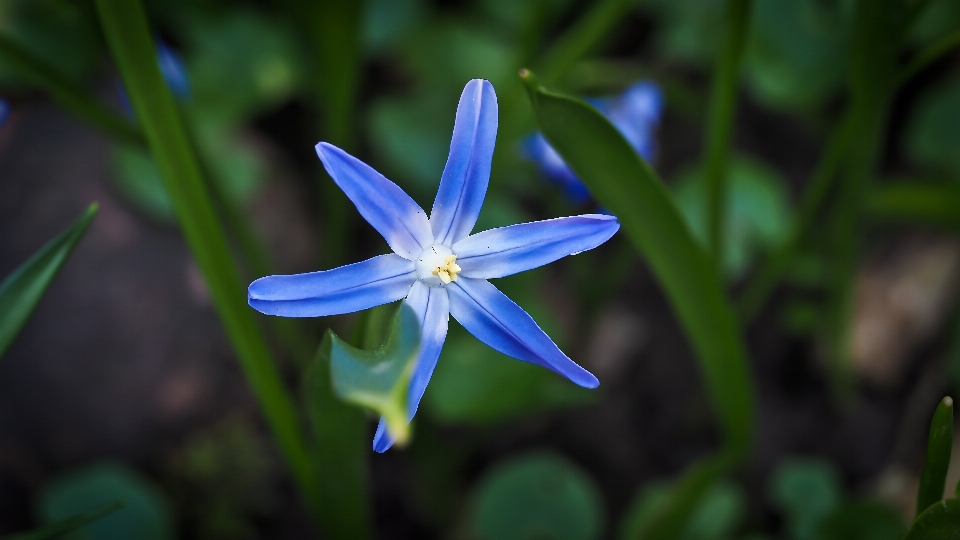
x: 448, y: 271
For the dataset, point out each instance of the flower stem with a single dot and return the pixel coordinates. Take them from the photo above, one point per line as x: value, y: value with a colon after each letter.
x: 128, y: 37
x: 720, y: 121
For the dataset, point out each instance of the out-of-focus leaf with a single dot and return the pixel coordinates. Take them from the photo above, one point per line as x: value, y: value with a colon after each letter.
x: 797, y: 51
x: 379, y: 379
x: 386, y: 22
x: 241, y: 64
x: 62, y: 33
x: 445, y: 55
x: 235, y: 164
x: 60, y: 528
x: 939, y: 445
x: 476, y: 384
x: 688, y: 28
x: 717, y: 515
x: 540, y: 496
x: 864, y: 520
x: 758, y: 215
x: 923, y: 202
x: 939, y: 522
x: 807, y: 492
x: 622, y: 182
x: 144, y: 515
x: 22, y: 290
x: 933, y: 132
x: 937, y: 19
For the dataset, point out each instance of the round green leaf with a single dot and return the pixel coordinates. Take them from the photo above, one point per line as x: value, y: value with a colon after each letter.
x: 144, y: 515
x: 538, y: 496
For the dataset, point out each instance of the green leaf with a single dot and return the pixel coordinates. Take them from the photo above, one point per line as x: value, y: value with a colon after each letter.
x: 939, y: 522
x: 939, y: 445
x: 758, y: 215
x: 626, y: 185
x: 924, y: 202
x: 798, y: 51
x: 60, y: 528
x: 716, y: 516
x: 807, y: 492
x: 379, y: 379
x: 540, y: 496
x: 22, y: 290
x: 863, y: 520
x: 128, y: 35
x: 475, y: 384
x: 144, y: 514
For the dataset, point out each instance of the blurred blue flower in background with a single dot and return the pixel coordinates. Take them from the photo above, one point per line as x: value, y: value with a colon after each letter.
x: 636, y: 113
x: 437, y: 266
x: 4, y: 110
x: 173, y: 71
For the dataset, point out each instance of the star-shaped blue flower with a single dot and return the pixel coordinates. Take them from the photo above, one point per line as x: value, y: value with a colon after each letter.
x: 437, y: 266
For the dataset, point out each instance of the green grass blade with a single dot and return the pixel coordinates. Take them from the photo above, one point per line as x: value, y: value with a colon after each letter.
x: 66, y: 92
x: 723, y: 102
x: 684, y: 498
x: 939, y: 444
x: 22, y: 290
x: 930, y: 55
x: 342, y: 442
x: 56, y: 530
x: 581, y: 38
x: 129, y: 38
x: 922, y: 202
x: 626, y: 185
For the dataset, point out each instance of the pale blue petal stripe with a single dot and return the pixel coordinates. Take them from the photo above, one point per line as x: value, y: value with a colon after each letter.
x: 432, y: 306
x: 517, y: 248
x: 503, y: 325
x: 346, y: 289
x: 401, y: 221
x: 463, y: 184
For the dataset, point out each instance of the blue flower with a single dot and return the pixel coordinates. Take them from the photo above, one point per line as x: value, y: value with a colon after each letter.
x: 636, y: 113
x: 436, y: 265
x: 4, y: 110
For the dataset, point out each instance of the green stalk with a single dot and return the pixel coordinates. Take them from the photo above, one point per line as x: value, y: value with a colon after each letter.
x: 723, y: 101
x: 66, y: 92
x: 128, y: 36
x: 776, y: 263
x: 939, y: 444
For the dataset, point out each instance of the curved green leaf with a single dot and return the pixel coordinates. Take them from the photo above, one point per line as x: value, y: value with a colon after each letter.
x: 626, y: 185
x: 939, y: 522
x: 61, y: 528
x: 939, y: 445
x: 379, y: 379
x: 22, y: 290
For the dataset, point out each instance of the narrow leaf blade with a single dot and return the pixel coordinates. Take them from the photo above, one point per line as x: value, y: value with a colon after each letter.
x: 939, y: 445
x: 22, y: 290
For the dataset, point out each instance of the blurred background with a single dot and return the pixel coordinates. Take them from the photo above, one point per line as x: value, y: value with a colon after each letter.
x: 123, y: 382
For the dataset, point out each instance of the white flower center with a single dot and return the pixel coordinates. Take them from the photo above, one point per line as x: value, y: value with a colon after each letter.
x: 437, y: 266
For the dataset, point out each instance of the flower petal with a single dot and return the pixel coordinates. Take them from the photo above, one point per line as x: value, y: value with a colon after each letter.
x: 467, y: 172
x: 432, y: 305
x: 517, y: 248
x: 503, y: 325
x: 345, y: 289
x: 401, y: 221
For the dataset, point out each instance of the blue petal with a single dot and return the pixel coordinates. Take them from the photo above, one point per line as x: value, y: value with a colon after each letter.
x: 382, y: 203
x: 517, y: 248
x: 467, y: 173
x: 432, y: 306
x: 350, y: 288
x: 503, y: 325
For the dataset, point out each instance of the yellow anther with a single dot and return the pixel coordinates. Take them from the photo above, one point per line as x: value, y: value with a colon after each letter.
x: 448, y: 271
